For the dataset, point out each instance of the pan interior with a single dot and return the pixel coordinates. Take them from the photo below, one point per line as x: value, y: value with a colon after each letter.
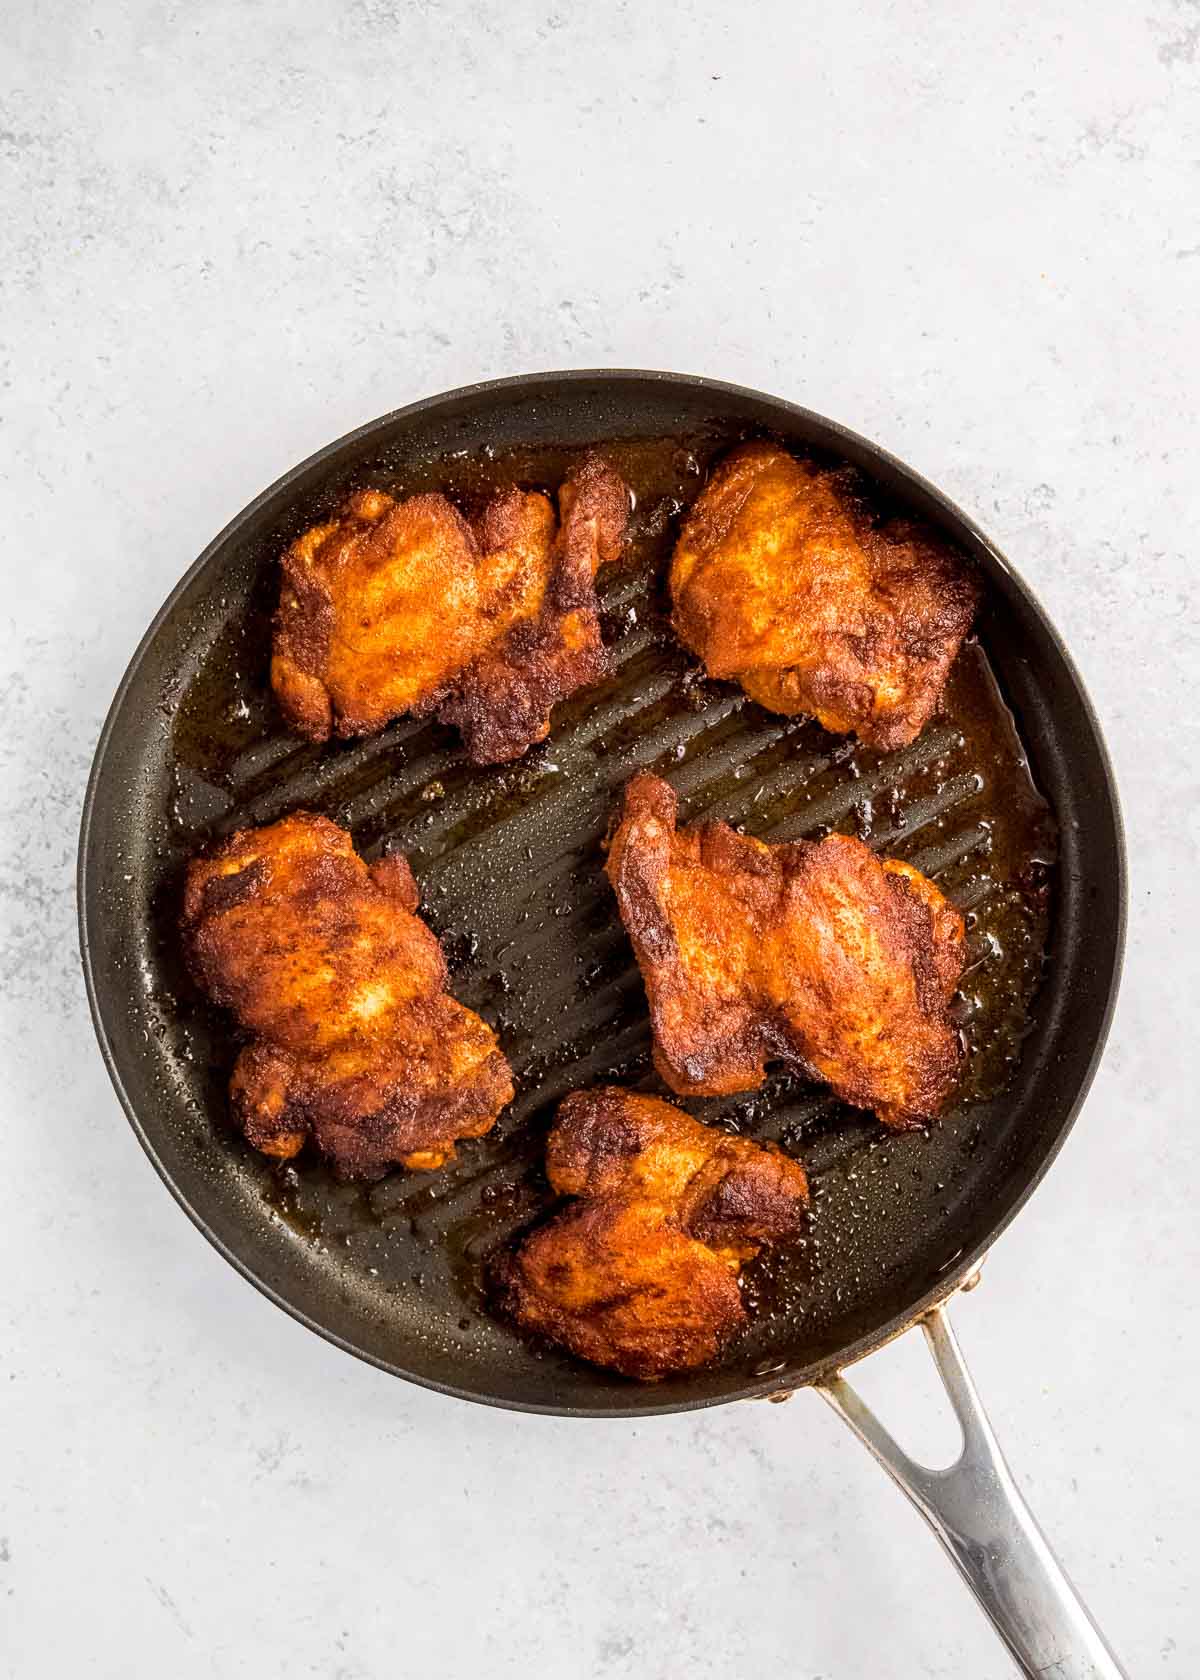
x: 509, y: 861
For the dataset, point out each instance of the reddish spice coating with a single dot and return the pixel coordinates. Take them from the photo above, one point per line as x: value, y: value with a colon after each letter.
x: 781, y: 581
x: 355, y: 1040
x: 814, y: 953
x: 402, y: 607
x: 640, y: 1272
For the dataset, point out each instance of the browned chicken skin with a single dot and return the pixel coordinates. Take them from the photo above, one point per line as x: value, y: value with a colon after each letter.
x: 817, y: 953
x: 342, y: 986
x: 400, y: 606
x: 780, y: 581
x: 640, y: 1273
x: 728, y: 1192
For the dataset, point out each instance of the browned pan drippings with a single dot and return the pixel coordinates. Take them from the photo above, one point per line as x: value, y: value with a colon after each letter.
x: 509, y: 862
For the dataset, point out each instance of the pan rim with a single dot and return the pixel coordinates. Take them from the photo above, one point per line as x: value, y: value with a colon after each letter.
x: 640, y: 1404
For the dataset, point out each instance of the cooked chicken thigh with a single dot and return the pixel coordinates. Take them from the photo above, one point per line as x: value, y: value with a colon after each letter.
x: 816, y: 953
x: 402, y: 607
x: 780, y: 581
x: 640, y: 1272
x: 354, y: 1039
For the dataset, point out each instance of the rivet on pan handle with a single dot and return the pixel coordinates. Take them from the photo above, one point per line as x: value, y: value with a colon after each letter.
x: 975, y: 1509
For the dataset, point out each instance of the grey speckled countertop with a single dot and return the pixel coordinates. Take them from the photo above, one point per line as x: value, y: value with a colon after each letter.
x: 232, y: 232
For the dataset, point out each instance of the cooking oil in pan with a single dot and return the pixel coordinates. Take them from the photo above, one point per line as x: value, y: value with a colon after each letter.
x: 509, y: 860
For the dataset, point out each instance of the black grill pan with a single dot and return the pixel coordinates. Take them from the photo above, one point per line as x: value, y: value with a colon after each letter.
x: 1006, y: 799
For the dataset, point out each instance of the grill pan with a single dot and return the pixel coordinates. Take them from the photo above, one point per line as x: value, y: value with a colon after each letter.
x: 1006, y: 799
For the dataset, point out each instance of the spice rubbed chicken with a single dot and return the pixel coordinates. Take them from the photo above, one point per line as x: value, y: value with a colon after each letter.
x: 342, y: 987
x: 640, y: 1272
x: 782, y: 581
x: 404, y: 607
x: 817, y: 953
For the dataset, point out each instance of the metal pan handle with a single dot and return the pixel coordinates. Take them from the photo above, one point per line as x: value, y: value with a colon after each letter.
x: 976, y: 1511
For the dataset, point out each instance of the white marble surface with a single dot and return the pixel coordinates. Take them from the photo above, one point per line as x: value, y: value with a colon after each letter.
x: 233, y: 231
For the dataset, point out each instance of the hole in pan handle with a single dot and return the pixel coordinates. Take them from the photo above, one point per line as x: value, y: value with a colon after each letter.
x: 977, y: 1512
